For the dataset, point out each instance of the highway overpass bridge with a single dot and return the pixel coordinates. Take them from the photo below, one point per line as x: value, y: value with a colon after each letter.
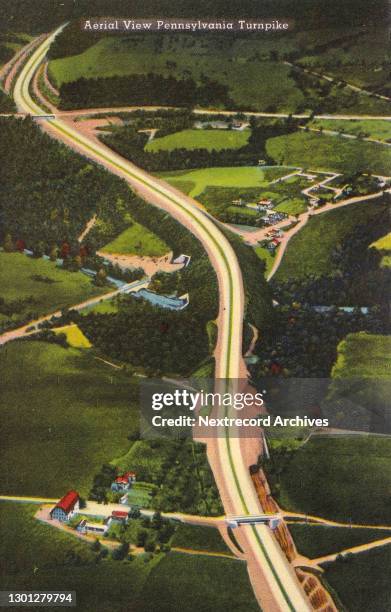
x: 272, y: 520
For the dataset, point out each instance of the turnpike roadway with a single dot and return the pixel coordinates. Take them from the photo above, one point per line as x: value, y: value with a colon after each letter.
x: 274, y: 580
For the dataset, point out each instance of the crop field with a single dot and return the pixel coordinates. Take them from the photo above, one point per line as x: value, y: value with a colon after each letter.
x: 63, y: 414
x: 234, y: 177
x: 362, y: 581
x: 200, y: 139
x: 319, y: 540
x: 310, y: 250
x: 378, y: 129
x: 341, y: 478
x: 383, y: 244
x: 32, y: 287
x: 330, y: 153
x: 136, y: 239
x: 74, y: 336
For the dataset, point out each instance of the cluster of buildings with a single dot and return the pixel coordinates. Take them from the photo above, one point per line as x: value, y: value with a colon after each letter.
x: 273, y: 239
x: 69, y: 506
x: 117, y: 516
x: 123, y: 483
x: 271, y: 218
x: 265, y: 207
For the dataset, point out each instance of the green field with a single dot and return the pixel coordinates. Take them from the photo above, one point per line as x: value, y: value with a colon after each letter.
x: 234, y: 177
x: 141, y: 456
x: 252, y: 82
x: 310, y: 250
x: 343, y: 479
x: 324, y: 152
x: 319, y: 540
x: 378, y: 129
x: 200, y: 139
x: 360, y: 61
x: 361, y: 382
x: 199, y: 538
x: 362, y: 581
x: 365, y: 355
x: 195, y: 583
x: 140, y: 494
x: 40, y: 287
x: 266, y: 256
x: 38, y: 557
x: 63, y: 414
x: 103, y: 307
x: 296, y: 206
x: 136, y: 239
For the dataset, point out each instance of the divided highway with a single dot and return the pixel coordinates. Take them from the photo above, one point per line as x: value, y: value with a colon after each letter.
x: 281, y: 589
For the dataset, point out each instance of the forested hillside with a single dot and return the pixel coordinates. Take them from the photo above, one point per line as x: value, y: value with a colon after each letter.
x: 49, y: 193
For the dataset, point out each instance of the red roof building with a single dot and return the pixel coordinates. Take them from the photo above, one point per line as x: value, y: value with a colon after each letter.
x: 66, y: 507
x: 131, y: 476
x: 119, y: 514
x: 121, y: 480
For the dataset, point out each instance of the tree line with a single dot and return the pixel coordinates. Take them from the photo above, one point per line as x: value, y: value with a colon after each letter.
x: 144, y: 90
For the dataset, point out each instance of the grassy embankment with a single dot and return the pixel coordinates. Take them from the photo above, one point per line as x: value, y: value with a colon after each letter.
x: 310, y: 250
x: 137, y: 240
x: 32, y: 287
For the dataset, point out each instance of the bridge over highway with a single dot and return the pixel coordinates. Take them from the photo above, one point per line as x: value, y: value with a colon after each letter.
x: 272, y: 520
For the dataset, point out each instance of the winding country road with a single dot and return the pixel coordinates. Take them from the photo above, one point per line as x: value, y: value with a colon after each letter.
x: 275, y: 583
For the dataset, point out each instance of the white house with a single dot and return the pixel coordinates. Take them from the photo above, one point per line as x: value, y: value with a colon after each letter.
x: 67, y: 507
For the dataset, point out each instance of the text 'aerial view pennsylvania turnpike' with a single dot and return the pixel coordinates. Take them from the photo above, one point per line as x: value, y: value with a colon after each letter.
x: 195, y: 281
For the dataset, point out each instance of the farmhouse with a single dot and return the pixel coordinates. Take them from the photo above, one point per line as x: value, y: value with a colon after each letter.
x: 66, y: 507
x: 124, y: 482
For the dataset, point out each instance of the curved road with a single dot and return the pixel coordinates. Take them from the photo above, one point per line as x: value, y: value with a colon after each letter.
x: 280, y: 588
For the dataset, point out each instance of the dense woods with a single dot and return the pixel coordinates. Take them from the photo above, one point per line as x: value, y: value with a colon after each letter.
x: 303, y: 342
x: 49, y: 193
x: 355, y: 278
x: 144, y: 90
x: 159, y: 340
